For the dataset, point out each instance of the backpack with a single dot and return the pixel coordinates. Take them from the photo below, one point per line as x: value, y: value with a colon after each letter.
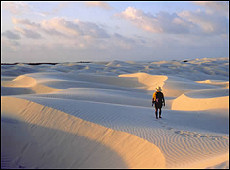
x: 159, y: 97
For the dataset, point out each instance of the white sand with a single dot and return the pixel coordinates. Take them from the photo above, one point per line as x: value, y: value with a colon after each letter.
x: 99, y: 115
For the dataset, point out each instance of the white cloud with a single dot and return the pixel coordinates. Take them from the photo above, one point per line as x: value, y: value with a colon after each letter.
x: 186, y: 22
x: 138, y: 18
x: 206, y: 23
x: 163, y: 22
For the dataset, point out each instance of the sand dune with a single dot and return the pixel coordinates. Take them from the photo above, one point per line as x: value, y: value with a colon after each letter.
x: 25, y: 84
x: 150, y: 81
x: 224, y: 84
x: 21, y: 81
x: 99, y: 115
x: 67, y: 136
x: 187, y: 103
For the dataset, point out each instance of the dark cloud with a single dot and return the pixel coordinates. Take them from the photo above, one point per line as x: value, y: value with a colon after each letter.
x: 122, y: 38
x: 172, y: 23
x: 93, y: 30
x: 11, y: 35
x: 29, y: 33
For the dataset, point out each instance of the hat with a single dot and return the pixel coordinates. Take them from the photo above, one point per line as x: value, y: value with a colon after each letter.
x: 158, y: 88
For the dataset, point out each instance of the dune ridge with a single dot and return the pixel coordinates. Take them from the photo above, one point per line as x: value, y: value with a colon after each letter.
x: 26, y: 84
x: 150, y: 81
x: 187, y: 103
x: 224, y: 84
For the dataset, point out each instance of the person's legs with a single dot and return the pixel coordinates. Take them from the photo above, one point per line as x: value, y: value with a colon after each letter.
x: 159, y: 112
x: 156, y: 110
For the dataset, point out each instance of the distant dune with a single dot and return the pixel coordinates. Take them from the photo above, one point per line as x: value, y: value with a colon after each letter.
x: 99, y: 114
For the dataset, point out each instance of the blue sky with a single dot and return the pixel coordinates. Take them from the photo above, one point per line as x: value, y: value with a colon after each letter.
x: 65, y: 31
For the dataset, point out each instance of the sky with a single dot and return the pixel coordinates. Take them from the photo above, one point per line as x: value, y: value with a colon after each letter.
x: 71, y: 31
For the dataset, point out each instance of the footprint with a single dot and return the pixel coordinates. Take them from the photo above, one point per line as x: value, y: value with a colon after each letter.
x: 164, y: 125
x: 197, y: 135
x: 185, y: 133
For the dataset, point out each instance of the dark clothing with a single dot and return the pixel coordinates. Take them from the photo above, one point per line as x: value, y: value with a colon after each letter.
x: 158, y: 105
x: 156, y: 110
x: 158, y: 100
x: 158, y: 97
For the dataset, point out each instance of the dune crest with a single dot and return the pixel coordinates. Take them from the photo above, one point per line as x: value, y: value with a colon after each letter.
x: 223, y: 84
x: 21, y: 81
x: 192, y: 104
x: 150, y: 81
x: 27, y: 85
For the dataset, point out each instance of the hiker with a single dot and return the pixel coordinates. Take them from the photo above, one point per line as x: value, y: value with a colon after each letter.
x: 158, y: 99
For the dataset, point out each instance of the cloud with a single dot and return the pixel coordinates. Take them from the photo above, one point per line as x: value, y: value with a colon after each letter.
x: 28, y: 33
x: 74, y: 28
x: 163, y: 22
x: 99, y: 4
x: 9, y: 45
x: 186, y: 22
x: 138, y: 18
x: 28, y: 29
x: 168, y: 35
x: 207, y: 23
x: 63, y: 26
x: 11, y: 35
x: 92, y: 29
x: 56, y: 9
x: 23, y: 8
x: 58, y: 34
x: 26, y: 23
x: 60, y: 27
x: 62, y: 32
x: 16, y: 8
x: 222, y: 7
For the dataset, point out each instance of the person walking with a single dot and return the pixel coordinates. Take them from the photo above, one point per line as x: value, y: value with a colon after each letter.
x: 158, y: 100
